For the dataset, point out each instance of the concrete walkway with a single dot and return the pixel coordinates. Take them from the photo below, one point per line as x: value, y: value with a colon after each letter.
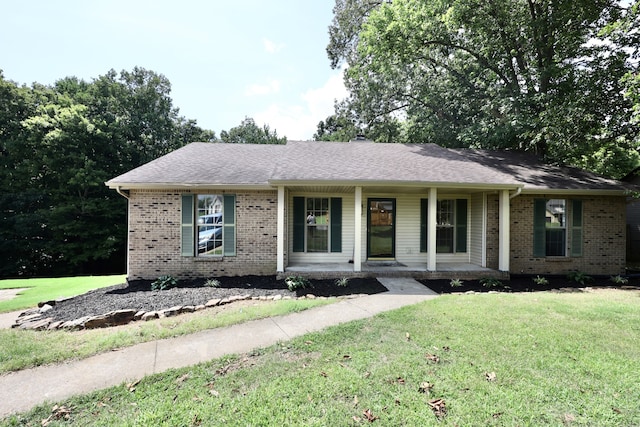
x: 22, y: 390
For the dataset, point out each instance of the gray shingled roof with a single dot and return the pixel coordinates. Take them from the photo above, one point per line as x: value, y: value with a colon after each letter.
x: 356, y: 163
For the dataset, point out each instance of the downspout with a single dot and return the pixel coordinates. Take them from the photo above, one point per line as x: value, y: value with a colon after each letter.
x: 119, y: 191
x: 516, y: 194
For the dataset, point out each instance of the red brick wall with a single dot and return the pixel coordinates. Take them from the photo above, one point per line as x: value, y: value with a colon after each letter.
x: 154, y: 237
x: 603, y: 246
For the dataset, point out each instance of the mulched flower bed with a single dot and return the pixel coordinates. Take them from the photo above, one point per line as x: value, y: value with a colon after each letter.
x: 526, y: 283
x: 138, y: 295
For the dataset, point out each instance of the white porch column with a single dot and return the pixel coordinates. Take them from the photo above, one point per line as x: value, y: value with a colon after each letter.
x: 503, y: 234
x: 357, y: 239
x: 280, y: 230
x: 432, y: 208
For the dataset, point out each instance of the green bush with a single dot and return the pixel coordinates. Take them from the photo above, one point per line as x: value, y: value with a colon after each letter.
x: 490, y: 282
x: 212, y: 283
x: 296, y: 282
x: 579, y: 277
x: 343, y: 282
x: 619, y: 280
x: 538, y: 280
x: 455, y: 283
x: 163, y: 283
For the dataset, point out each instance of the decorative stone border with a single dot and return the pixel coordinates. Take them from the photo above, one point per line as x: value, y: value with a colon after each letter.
x: 36, y: 318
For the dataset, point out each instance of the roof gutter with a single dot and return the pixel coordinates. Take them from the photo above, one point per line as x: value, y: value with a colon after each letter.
x: 516, y: 194
x: 120, y: 192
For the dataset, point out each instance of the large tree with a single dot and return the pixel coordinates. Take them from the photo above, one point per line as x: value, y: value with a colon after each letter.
x: 248, y: 132
x: 58, y: 145
x: 536, y: 75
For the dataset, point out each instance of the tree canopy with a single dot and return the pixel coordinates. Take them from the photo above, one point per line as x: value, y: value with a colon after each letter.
x: 58, y: 145
x: 554, y: 77
x: 250, y: 133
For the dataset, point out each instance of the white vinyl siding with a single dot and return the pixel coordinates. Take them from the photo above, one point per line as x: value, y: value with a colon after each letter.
x: 347, y: 231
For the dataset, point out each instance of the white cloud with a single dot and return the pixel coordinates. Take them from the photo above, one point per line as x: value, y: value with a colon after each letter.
x: 268, y: 88
x: 271, y: 46
x: 299, y: 121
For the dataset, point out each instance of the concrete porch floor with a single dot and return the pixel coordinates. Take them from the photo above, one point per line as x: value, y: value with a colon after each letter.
x: 391, y: 269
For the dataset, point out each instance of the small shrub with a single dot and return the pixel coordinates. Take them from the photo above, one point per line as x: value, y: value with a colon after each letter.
x: 538, y: 280
x: 212, y: 283
x: 579, y: 277
x: 164, y: 282
x: 296, y: 282
x: 343, y: 282
x: 455, y: 283
x: 490, y: 282
x: 619, y: 280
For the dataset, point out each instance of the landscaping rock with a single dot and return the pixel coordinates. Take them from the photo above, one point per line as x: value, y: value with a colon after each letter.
x: 45, y: 308
x: 150, y: 315
x: 213, y: 302
x: 114, y: 318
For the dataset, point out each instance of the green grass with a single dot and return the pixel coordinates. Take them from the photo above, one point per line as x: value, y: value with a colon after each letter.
x: 20, y: 349
x: 50, y: 289
x: 558, y: 359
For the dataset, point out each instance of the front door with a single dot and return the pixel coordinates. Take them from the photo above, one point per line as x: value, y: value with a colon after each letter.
x: 381, y: 228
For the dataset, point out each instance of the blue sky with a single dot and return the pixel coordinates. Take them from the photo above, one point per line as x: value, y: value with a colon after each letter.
x: 225, y: 59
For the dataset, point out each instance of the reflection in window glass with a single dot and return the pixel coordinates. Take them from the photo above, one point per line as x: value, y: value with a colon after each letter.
x: 556, y: 233
x: 209, y: 220
x: 317, y: 224
x: 445, y: 226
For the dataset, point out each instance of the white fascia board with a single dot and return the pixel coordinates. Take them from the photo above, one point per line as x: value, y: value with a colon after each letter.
x: 574, y: 192
x: 173, y: 185
x: 411, y: 184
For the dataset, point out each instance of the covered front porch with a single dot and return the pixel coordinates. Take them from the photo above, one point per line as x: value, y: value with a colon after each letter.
x: 401, y: 231
x: 451, y: 270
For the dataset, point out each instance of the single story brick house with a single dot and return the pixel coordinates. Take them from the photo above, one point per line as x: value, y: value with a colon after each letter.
x: 358, y: 208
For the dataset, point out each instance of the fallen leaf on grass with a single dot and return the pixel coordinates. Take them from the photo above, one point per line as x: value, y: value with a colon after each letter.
x: 346, y: 357
x: 400, y: 380
x: 446, y: 348
x: 432, y: 357
x: 490, y: 376
x: 132, y: 386
x: 425, y: 387
x: 408, y: 336
x: 367, y: 374
x: 323, y: 374
x: 308, y: 342
x: 181, y: 379
x: 438, y: 407
x: 368, y: 415
x: 355, y: 400
x: 57, y: 413
x: 214, y: 392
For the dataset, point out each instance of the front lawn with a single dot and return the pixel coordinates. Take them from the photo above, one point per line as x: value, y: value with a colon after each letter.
x: 485, y: 359
x: 39, y: 290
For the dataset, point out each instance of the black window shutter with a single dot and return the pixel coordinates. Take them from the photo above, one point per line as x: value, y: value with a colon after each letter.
x: 461, y: 225
x: 424, y: 205
x: 539, y: 227
x: 187, y: 245
x: 576, y: 228
x: 229, y: 224
x: 298, y: 224
x: 335, y: 222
